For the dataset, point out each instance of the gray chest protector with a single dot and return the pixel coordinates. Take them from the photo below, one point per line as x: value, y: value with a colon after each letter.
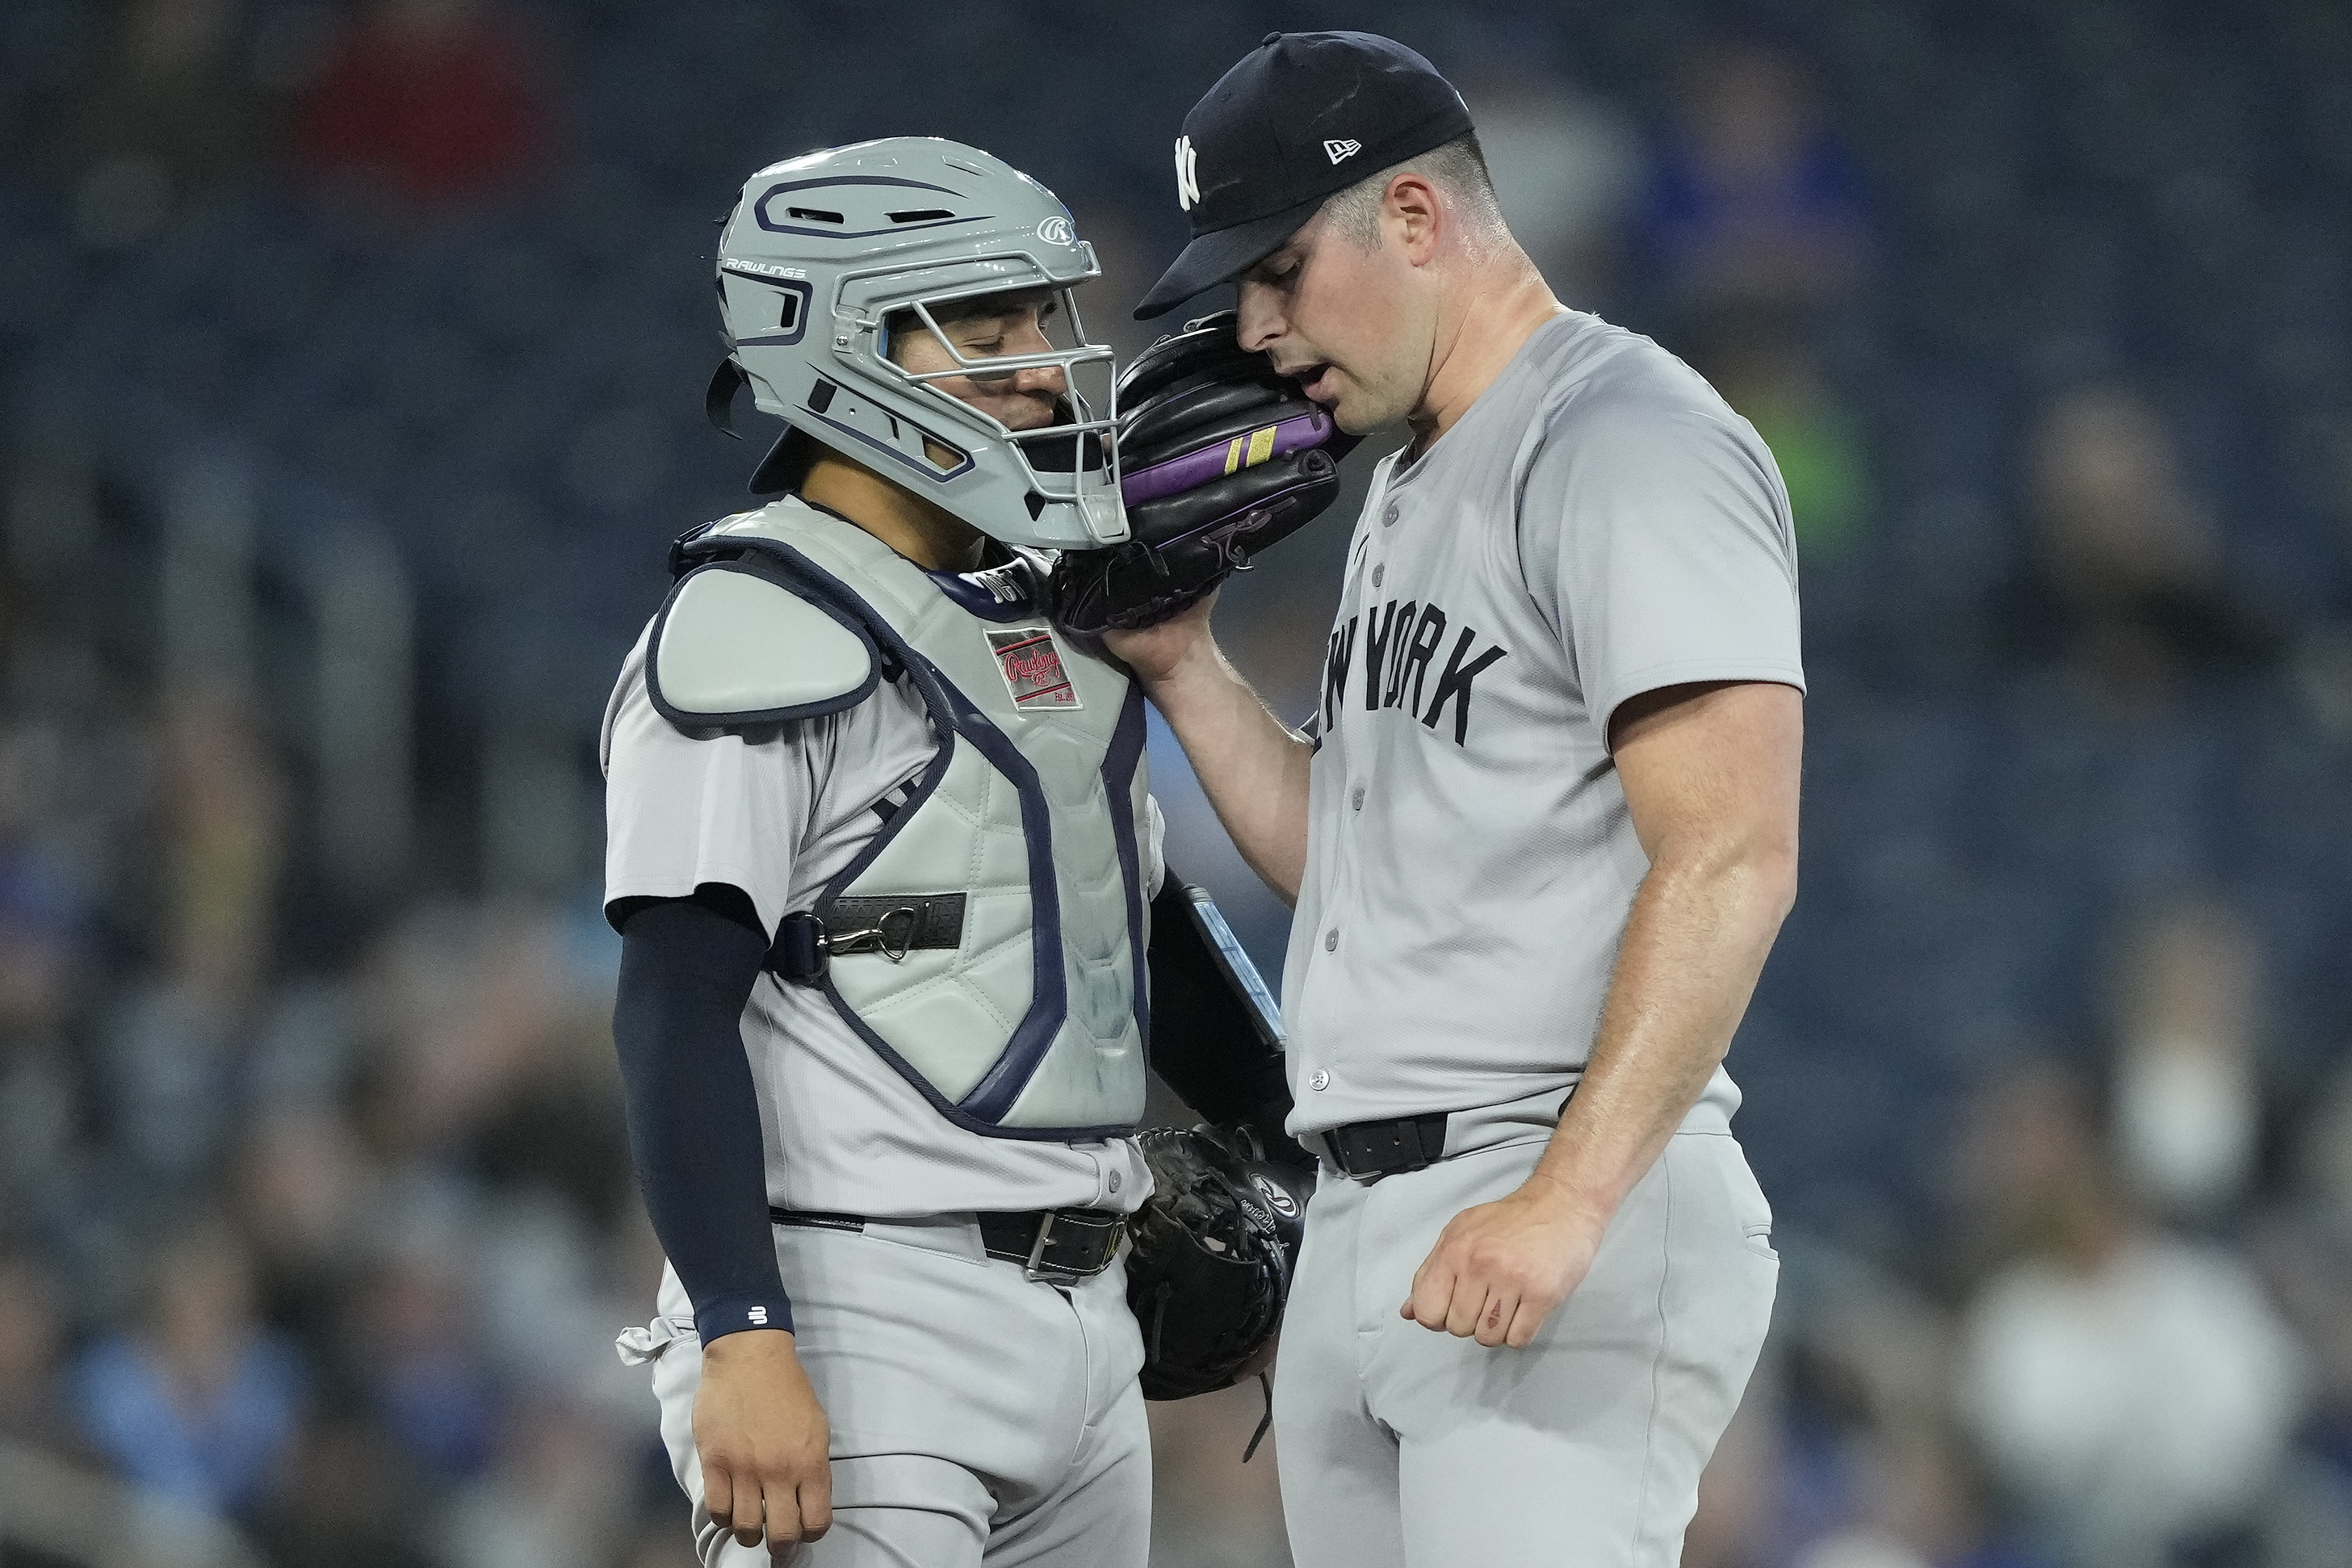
x: 988, y: 941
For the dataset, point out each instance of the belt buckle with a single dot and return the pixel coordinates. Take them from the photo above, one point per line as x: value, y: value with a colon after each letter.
x: 1030, y: 1270
x: 1388, y: 1149
x: 1038, y: 1268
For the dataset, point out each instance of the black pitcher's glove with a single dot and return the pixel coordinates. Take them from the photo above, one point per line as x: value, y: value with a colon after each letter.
x: 1212, y: 1251
x: 1219, y: 457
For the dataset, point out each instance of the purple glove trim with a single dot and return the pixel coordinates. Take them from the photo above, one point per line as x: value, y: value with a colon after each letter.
x: 1197, y: 469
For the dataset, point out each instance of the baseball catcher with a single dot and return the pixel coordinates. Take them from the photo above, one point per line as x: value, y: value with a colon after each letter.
x: 880, y: 850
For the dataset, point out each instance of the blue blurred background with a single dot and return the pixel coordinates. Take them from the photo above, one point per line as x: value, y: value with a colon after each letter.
x: 351, y: 363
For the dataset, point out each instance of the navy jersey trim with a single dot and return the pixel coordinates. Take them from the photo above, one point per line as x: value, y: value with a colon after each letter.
x: 973, y: 597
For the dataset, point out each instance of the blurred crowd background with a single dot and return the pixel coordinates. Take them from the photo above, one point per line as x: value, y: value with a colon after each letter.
x: 350, y: 363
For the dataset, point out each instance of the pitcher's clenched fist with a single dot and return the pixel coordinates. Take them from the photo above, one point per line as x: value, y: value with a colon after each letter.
x: 1499, y: 1269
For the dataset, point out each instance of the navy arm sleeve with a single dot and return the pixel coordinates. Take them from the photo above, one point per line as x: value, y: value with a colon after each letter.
x: 688, y: 967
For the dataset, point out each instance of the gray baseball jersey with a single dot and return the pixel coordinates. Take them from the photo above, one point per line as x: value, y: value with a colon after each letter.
x: 779, y: 817
x: 1598, y: 525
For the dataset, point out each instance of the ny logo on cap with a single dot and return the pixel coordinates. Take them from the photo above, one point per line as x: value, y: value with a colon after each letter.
x: 1339, y: 152
x: 1188, y: 179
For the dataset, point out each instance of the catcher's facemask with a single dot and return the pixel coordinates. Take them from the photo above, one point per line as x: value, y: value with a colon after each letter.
x: 824, y: 251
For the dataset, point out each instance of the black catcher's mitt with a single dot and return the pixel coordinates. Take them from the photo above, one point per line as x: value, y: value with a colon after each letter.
x: 1219, y: 457
x: 1213, y: 1249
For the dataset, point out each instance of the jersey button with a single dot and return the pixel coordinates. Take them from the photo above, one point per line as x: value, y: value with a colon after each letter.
x: 1377, y: 572
x: 1358, y: 801
x: 1388, y: 518
x: 1330, y: 942
x: 1318, y: 1078
x: 1114, y: 1181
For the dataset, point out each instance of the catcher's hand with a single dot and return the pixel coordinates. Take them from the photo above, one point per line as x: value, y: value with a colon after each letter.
x: 1219, y: 457
x: 1211, y: 1255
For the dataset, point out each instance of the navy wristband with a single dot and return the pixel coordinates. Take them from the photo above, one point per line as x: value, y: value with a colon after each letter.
x: 734, y: 1314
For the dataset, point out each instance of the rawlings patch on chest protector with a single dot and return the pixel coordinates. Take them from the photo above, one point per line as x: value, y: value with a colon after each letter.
x: 1030, y: 662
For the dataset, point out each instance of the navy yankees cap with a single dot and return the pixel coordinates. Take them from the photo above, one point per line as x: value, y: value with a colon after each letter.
x: 1303, y: 115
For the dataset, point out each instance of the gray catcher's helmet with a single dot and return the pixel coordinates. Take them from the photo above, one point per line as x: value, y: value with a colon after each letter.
x: 818, y: 254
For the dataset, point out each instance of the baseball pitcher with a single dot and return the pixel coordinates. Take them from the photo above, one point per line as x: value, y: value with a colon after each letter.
x: 1539, y: 837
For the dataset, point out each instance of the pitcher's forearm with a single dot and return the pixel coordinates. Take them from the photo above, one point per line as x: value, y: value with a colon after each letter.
x: 1252, y: 767
x: 1694, y: 947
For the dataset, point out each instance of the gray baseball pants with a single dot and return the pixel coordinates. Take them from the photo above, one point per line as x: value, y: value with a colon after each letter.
x: 977, y: 1417
x: 1404, y: 1447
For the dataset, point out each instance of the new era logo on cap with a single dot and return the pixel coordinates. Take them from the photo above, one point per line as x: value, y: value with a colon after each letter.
x: 1340, y: 151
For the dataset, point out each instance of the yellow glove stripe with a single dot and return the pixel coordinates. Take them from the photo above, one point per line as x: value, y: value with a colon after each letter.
x: 1261, y: 448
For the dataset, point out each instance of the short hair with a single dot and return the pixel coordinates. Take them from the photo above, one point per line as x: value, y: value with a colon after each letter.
x: 1458, y: 167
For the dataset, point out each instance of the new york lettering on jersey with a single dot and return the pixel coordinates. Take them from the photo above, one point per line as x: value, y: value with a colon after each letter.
x: 1401, y: 643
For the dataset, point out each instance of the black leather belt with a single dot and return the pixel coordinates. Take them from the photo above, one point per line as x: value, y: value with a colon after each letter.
x: 1054, y: 1244
x: 1385, y: 1148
